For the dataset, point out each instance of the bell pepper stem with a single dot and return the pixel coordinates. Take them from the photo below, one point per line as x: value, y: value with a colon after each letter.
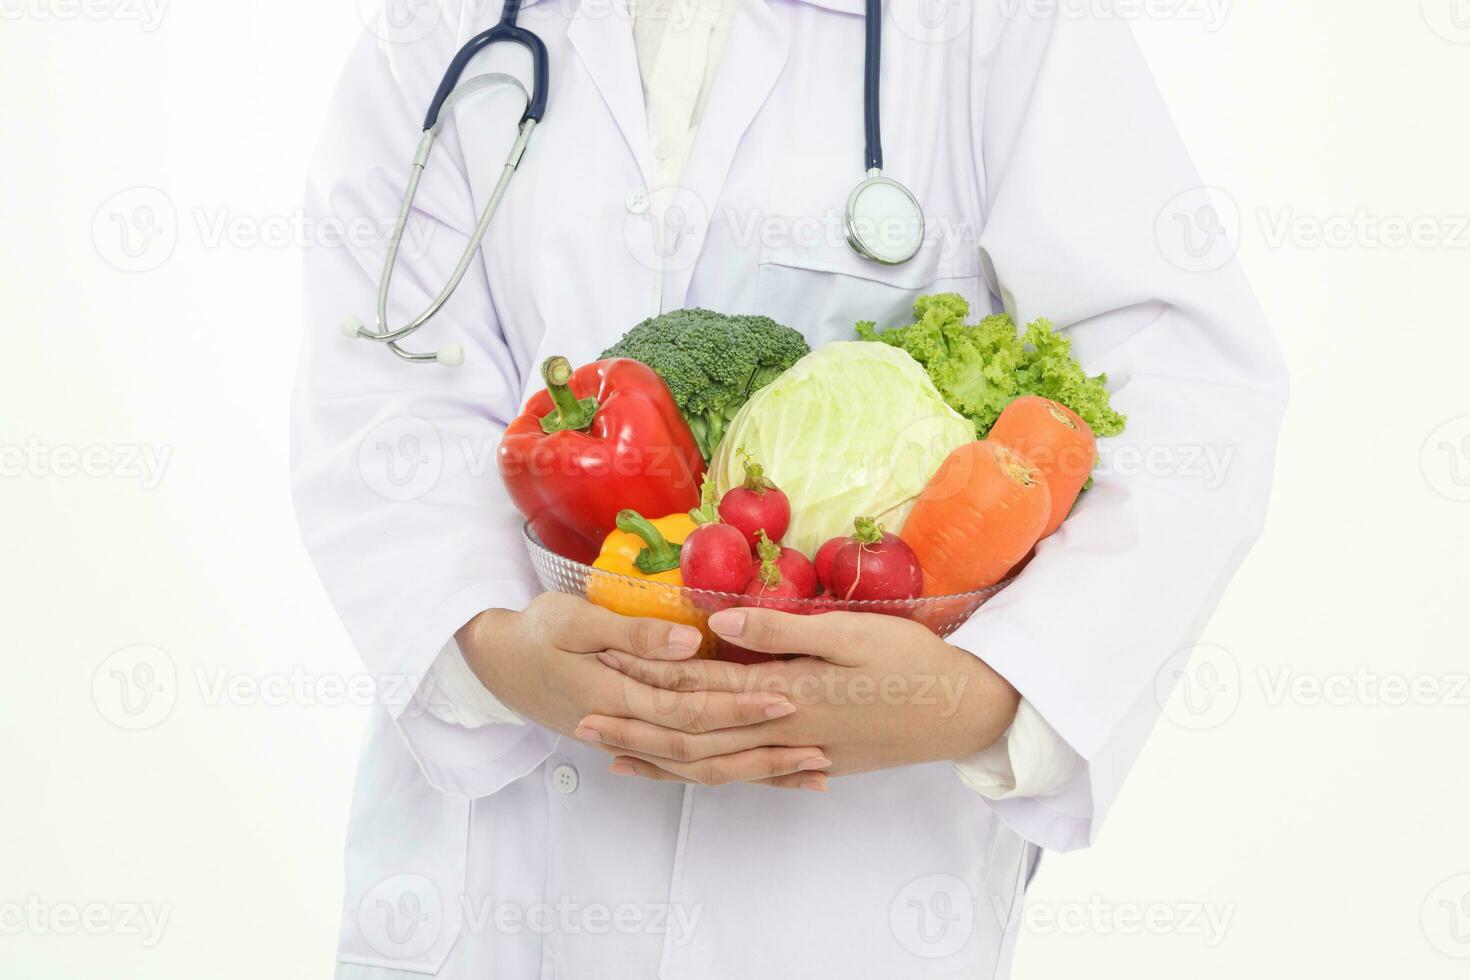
x: 571, y: 412
x: 661, y: 555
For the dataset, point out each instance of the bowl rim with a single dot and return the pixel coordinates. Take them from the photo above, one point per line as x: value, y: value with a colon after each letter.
x: 848, y: 605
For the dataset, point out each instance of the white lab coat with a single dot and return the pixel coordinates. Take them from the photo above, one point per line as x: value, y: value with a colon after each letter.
x: 1045, y: 160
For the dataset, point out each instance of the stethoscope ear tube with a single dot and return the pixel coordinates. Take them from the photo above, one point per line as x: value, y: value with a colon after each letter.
x: 452, y: 355
x: 535, y: 104
x: 450, y: 91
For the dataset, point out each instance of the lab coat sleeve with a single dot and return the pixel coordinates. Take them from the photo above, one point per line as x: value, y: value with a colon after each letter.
x: 393, y: 464
x: 1081, y: 164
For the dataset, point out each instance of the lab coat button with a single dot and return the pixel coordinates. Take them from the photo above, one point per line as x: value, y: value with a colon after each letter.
x: 564, y: 778
x: 637, y: 201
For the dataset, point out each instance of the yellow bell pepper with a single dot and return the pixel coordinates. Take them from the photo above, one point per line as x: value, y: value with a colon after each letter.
x: 646, y: 552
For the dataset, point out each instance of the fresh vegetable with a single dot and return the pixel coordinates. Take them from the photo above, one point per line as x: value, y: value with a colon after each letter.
x: 771, y: 588
x: 875, y: 564
x: 647, y: 551
x: 598, y: 439
x: 795, y: 568
x: 715, y: 556
x: 852, y: 428
x: 756, y: 505
x: 1057, y: 441
x: 823, y: 561
x: 978, y: 517
x: 980, y: 369
x: 711, y: 362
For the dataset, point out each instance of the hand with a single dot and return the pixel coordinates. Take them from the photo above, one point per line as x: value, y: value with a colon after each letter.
x: 540, y: 664
x: 874, y: 692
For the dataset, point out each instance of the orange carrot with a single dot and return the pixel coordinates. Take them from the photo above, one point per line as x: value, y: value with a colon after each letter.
x: 1057, y: 442
x: 983, y: 510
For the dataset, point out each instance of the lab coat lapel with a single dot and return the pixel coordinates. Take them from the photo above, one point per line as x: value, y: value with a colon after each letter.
x: 602, y: 33
x: 755, y: 54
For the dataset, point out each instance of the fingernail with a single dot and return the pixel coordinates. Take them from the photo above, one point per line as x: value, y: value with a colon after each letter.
x: 780, y: 709
x: 587, y: 735
x: 608, y: 659
x: 685, y: 639
x: 621, y: 769
x: 728, y: 623
x: 815, y: 785
x: 820, y: 762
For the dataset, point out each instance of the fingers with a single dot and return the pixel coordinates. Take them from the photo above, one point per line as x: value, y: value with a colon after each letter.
x: 696, y: 712
x: 689, y: 675
x: 653, y: 739
x: 816, y: 782
x: 837, y: 637
x: 629, y: 766
x: 579, y: 626
x: 752, y: 765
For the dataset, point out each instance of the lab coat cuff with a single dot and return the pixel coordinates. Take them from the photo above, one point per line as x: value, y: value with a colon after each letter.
x: 455, y: 760
x: 1064, y: 818
x: 1030, y: 759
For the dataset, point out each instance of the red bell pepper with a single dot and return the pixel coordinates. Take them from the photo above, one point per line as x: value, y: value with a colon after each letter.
x: 601, y: 439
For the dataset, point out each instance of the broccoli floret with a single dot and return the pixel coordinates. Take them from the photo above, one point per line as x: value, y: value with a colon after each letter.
x: 711, y: 362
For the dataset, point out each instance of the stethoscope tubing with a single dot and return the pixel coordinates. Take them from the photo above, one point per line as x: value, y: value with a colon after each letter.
x: 872, y: 91
x: 450, y: 90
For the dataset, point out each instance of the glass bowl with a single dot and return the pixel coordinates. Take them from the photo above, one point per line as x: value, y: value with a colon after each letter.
x: 680, y: 604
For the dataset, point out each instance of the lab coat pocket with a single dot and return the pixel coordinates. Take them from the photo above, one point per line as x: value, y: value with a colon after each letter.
x: 824, y: 289
x: 406, y: 858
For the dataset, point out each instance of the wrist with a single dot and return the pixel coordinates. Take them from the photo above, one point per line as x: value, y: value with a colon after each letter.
x: 987, y: 714
x: 482, y: 640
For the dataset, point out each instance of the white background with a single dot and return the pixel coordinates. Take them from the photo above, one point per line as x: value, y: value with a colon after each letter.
x: 1319, y: 828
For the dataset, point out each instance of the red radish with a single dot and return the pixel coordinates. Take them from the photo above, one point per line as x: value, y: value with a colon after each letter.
x: 823, y: 561
x: 792, y: 564
x: 756, y: 505
x: 874, y: 564
x: 715, y: 556
x: 771, y: 589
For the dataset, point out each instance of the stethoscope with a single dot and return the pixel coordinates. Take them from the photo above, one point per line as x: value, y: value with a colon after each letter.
x: 884, y: 224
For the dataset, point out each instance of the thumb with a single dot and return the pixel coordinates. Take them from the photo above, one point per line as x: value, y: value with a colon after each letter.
x: 837, y: 637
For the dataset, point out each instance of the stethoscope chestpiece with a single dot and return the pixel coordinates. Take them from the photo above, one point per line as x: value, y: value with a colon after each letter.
x: 885, y: 222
